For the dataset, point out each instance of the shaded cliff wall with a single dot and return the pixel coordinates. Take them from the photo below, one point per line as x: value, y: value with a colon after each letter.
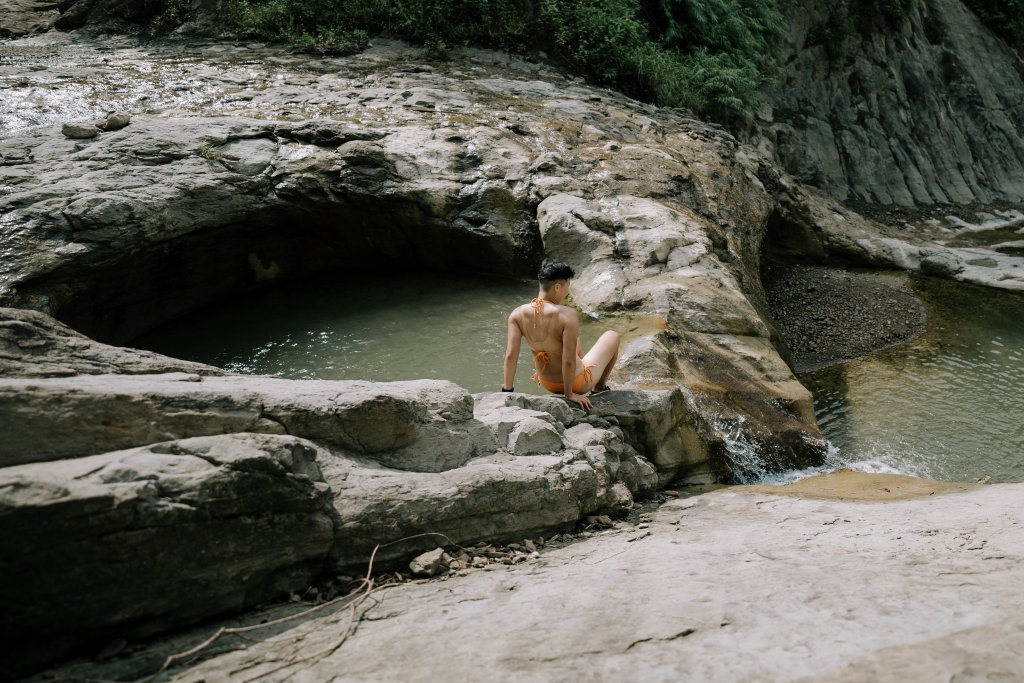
x: 926, y: 109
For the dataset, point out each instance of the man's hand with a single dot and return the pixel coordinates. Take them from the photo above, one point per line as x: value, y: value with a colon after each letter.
x: 582, y: 400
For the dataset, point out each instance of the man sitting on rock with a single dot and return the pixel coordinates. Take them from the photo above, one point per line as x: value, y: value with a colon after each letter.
x: 549, y: 329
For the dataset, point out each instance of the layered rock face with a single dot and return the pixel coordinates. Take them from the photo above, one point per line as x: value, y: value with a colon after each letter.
x: 382, y: 160
x: 921, y: 110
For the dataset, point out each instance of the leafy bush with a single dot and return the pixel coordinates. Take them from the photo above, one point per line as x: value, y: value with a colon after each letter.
x: 709, y: 55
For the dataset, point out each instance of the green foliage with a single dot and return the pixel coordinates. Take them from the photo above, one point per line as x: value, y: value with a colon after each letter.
x: 709, y: 55
x: 858, y: 18
x: 209, y: 151
x: 744, y: 29
x: 167, y: 13
x: 1005, y: 18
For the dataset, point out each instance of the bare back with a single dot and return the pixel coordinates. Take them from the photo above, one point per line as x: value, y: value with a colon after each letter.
x: 544, y: 329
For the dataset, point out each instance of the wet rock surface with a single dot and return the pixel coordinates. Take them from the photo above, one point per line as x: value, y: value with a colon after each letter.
x: 828, y: 315
x: 846, y: 577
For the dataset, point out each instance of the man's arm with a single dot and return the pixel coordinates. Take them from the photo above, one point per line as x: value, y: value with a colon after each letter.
x: 515, y: 338
x: 570, y: 340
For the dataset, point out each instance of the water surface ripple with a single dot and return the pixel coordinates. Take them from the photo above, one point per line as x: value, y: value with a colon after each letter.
x: 948, y: 405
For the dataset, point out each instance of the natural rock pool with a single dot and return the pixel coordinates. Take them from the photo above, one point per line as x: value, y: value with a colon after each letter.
x: 947, y: 405
x: 371, y: 327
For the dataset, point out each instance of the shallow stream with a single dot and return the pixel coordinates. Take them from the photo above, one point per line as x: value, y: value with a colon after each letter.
x: 947, y: 405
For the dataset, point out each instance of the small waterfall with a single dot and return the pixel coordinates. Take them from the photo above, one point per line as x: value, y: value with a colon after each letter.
x: 747, y: 464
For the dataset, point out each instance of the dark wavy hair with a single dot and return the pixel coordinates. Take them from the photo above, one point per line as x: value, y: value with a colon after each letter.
x: 551, y: 271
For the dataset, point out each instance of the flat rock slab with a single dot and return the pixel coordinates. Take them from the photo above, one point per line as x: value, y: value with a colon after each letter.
x: 919, y: 583
x: 398, y: 423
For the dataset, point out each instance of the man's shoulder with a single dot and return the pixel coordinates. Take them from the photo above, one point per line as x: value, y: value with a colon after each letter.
x: 518, y: 313
x: 568, y: 313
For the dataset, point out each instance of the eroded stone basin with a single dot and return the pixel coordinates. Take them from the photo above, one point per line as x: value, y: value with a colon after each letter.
x: 378, y: 326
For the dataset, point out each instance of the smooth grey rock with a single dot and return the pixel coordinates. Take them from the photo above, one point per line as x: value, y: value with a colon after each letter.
x: 139, y: 541
x: 556, y: 408
x: 427, y: 564
x: 501, y: 498
x: 114, y: 121
x: 501, y: 421
x: 79, y: 131
x: 419, y: 425
x: 359, y: 508
x: 532, y: 436
x: 660, y: 424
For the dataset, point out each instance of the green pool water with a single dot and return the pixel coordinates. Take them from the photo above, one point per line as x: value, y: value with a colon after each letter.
x: 948, y: 405
x: 408, y: 326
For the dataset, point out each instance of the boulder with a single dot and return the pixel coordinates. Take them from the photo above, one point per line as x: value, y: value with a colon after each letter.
x: 428, y: 563
x: 79, y: 131
x: 532, y: 436
x: 115, y: 120
x: 138, y: 541
x: 499, y: 498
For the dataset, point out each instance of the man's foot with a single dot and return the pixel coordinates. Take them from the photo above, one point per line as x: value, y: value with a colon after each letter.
x: 600, y: 390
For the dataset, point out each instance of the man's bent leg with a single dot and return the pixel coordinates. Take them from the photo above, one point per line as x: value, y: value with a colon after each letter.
x: 602, y: 356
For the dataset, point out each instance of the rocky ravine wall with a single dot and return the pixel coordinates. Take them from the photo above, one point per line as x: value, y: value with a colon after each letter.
x: 928, y: 110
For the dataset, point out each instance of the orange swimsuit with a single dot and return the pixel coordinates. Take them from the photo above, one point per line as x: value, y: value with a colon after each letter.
x: 541, y: 360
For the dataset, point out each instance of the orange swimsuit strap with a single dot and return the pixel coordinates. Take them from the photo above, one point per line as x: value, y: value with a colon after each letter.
x: 540, y: 364
x: 538, y: 308
x: 540, y: 358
